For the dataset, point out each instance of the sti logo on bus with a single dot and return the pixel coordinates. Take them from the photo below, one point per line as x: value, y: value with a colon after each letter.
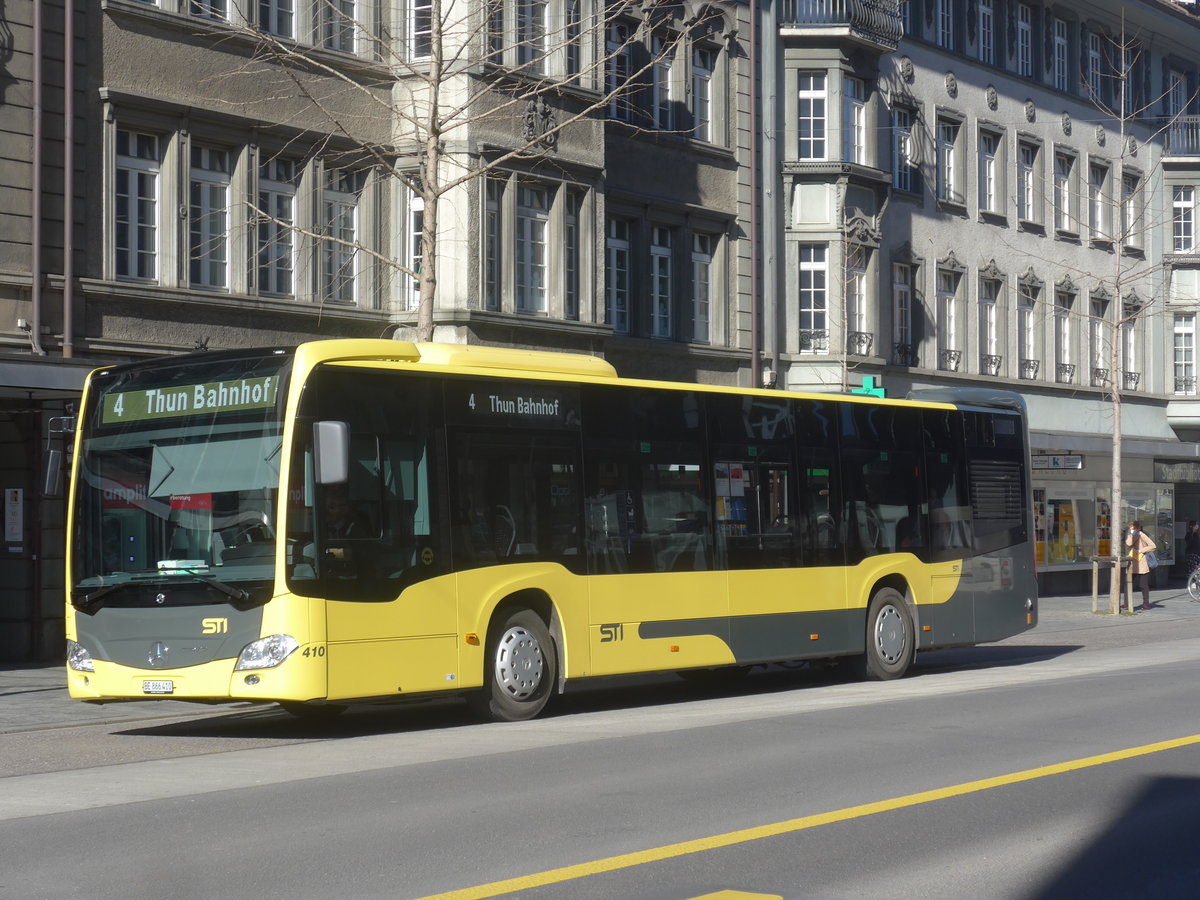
x: 610, y: 633
x: 214, y: 626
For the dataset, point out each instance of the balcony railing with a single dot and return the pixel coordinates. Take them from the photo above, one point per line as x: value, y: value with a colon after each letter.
x: 949, y: 360
x: 858, y: 343
x: 905, y: 354
x: 1131, y: 380
x: 989, y: 364
x: 1099, y: 377
x: 1065, y: 372
x: 1185, y: 384
x: 877, y: 21
x: 1183, y: 136
x: 814, y: 341
x: 1029, y: 368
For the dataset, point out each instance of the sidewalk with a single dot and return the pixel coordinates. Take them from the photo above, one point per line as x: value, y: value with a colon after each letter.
x: 36, y: 696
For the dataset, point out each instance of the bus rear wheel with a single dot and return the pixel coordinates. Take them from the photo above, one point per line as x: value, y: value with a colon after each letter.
x: 889, y: 636
x: 521, y: 669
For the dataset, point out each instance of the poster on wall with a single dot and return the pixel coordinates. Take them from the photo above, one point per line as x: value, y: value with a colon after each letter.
x: 1064, y: 532
x: 1039, y: 525
x: 1103, y: 528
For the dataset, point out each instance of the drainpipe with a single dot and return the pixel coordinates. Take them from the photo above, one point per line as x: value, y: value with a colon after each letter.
x: 35, y: 294
x: 68, y: 344
x: 755, y: 339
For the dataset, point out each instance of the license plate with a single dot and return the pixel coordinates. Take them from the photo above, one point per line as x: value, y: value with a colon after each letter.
x: 158, y: 687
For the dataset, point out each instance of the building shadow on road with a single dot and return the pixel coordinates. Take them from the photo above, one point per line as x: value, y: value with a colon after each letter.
x: 1148, y: 852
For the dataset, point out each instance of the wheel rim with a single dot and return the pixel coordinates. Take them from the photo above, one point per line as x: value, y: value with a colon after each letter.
x: 520, y: 663
x: 890, y: 639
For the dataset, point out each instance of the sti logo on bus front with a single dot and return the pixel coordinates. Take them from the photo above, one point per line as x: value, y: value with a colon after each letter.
x: 214, y: 626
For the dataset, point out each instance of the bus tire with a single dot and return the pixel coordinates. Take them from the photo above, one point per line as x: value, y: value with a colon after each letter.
x: 889, y: 636
x: 521, y: 667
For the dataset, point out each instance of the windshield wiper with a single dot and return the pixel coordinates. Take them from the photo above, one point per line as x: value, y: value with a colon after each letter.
x: 87, y: 601
x: 240, y: 595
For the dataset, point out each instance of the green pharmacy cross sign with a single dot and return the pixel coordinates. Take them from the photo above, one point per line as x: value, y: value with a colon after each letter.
x: 869, y: 387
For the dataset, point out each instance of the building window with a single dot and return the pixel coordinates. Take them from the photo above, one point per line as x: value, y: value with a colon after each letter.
x: 661, y: 85
x: 1183, y: 218
x: 139, y: 166
x: 856, y: 302
x: 1064, y: 368
x: 813, y: 299
x: 812, y: 115
x: 1027, y: 182
x: 945, y: 23
x: 947, y: 295
x: 1027, y: 343
x: 854, y: 139
x: 492, y: 271
x: 704, y: 62
x: 1061, y: 77
x: 571, y: 251
x: 1128, y: 78
x: 1064, y: 173
x: 1097, y: 352
x: 987, y: 35
x: 1025, y: 40
x: 903, y: 175
x: 1095, y: 69
x: 338, y: 23
x: 413, y: 234
x: 989, y: 200
x: 989, y: 333
x: 617, y: 71
x: 661, y: 301
x: 343, y: 190
x: 703, y: 248
x: 1185, y: 354
x: 277, y: 17
x: 572, y: 34
x: 210, y: 9
x: 1176, y: 98
x: 531, y: 34
x: 902, y: 281
x: 276, y: 226
x: 1098, y: 219
x: 616, y: 276
x: 420, y: 29
x: 1131, y: 377
x: 208, y: 217
x: 533, y: 217
x: 1131, y: 216
x: 949, y: 173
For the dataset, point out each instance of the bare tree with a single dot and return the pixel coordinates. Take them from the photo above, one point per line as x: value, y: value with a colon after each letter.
x: 522, y: 74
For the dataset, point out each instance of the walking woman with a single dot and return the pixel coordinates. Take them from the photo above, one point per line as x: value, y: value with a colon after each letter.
x: 1191, y: 548
x: 1139, y: 544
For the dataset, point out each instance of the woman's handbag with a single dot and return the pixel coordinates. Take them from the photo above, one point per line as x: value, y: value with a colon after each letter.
x: 1151, y: 559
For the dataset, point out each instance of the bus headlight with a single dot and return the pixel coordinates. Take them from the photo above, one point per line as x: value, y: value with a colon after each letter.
x: 78, y: 658
x: 266, y: 653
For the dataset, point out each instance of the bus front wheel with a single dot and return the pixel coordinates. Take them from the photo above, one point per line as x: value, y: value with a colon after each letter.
x: 521, y: 669
x: 889, y: 636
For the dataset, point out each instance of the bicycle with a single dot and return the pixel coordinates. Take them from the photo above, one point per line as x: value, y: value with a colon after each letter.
x: 1193, y: 585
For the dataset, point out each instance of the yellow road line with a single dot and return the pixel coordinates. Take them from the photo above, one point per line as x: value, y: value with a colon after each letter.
x: 717, y: 841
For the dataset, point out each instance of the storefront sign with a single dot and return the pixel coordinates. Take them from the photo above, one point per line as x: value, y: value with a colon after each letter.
x: 1188, y: 472
x: 1046, y: 461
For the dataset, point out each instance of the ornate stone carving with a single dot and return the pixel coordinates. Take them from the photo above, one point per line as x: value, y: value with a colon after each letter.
x: 993, y: 98
x: 951, y: 85
x: 539, y: 122
x: 1030, y: 111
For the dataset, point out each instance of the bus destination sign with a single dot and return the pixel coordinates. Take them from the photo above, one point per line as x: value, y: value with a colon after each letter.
x: 514, y: 403
x: 189, y: 400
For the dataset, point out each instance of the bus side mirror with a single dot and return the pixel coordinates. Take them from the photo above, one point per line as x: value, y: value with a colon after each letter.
x: 331, y: 452
x: 52, y: 476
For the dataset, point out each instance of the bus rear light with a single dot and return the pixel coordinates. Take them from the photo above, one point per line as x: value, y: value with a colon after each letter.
x: 266, y: 653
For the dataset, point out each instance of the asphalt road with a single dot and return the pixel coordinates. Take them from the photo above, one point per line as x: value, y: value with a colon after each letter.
x: 949, y: 783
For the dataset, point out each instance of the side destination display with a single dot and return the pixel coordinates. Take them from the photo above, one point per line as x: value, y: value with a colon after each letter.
x: 516, y: 403
x: 189, y: 400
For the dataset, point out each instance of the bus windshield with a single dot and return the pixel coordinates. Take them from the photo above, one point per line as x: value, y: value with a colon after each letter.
x: 179, y: 476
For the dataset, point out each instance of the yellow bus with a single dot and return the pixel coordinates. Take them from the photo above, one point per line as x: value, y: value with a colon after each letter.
x: 359, y: 520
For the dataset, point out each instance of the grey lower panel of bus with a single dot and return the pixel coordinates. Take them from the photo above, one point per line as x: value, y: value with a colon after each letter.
x: 170, y: 637
x: 981, y: 609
